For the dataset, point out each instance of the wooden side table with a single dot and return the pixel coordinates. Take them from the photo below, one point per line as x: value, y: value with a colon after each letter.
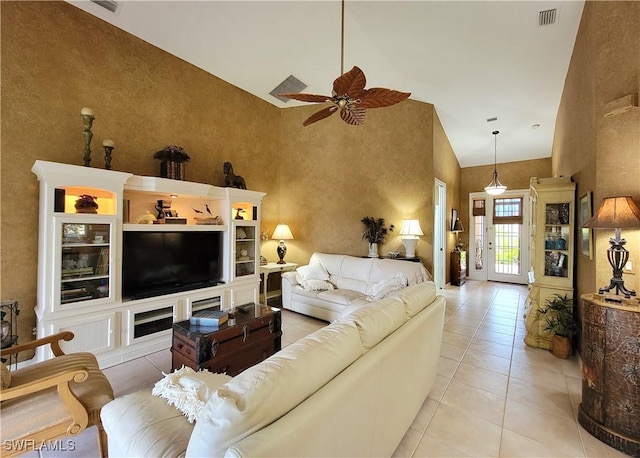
x: 458, y: 267
x: 610, y: 408
x: 270, y: 268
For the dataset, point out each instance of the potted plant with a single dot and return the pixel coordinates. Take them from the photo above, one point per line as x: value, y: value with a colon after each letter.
x: 172, y: 161
x: 375, y: 231
x: 86, y: 204
x: 560, y: 322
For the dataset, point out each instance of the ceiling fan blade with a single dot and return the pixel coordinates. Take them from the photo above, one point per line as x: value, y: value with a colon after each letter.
x: 378, y: 97
x: 306, y: 97
x: 352, y: 83
x: 324, y: 113
x: 354, y: 116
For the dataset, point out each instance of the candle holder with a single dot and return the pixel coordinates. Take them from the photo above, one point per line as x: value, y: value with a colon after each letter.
x: 108, y: 149
x: 87, y: 123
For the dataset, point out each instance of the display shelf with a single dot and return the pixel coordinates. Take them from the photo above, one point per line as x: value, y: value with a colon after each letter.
x: 132, y: 227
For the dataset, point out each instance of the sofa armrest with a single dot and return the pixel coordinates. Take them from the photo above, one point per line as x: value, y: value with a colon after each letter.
x: 290, y: 277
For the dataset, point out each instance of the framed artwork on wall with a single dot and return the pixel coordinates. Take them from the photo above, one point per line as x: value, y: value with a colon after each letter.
x: 454, y: 217
x: 586, y: 211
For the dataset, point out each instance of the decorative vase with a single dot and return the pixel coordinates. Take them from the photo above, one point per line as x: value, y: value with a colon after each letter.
x: 172, y: 169
x: 91, y: 210
x: 373, y: 250
x: 560, y: 346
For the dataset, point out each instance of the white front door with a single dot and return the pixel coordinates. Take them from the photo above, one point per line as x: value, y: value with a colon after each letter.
x: 499, y: 237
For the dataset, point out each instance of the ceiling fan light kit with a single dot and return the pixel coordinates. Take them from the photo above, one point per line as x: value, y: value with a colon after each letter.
x: 349, y: 95
x: 495, y: 187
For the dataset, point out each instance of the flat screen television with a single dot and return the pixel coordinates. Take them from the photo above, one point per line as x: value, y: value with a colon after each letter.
x: 157, y: 263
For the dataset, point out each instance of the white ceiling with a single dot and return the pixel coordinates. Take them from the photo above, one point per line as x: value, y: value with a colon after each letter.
x: 473, y: 60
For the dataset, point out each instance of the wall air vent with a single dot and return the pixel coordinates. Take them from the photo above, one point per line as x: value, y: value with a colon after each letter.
x: 290, y: 85
x: 547, y: 17
x: 110, y: 5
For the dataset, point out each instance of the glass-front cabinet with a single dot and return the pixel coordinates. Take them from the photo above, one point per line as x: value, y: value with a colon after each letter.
x: 552, y: 251
x: 245, y: 248
x: 85, y: 256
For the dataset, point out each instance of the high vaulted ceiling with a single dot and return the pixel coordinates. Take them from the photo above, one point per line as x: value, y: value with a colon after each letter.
x: 474, y: 60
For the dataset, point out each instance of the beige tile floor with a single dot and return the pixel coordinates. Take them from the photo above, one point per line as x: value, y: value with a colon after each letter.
x: 493, y: 395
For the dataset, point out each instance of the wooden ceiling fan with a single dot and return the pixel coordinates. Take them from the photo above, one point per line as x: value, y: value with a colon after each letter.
x: 349, y: 95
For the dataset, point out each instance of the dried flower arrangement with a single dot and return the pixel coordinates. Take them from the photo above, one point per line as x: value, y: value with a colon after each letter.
x: 86, y: 204
x: 375, y: 230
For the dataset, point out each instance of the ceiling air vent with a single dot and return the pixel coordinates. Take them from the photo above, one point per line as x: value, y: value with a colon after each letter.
x: 110, y: 5
x: 547, y: 17
x: 290, y: 85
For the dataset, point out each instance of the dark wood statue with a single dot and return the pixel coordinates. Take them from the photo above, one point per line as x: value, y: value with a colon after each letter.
x: 231, y: 180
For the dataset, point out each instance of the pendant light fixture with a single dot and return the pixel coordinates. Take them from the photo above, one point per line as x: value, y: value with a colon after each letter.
x: 495, y: 187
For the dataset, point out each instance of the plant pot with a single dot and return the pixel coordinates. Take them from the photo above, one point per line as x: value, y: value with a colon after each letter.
x: 87, y: 210
x: 172, y: 169
x: 560, y: 346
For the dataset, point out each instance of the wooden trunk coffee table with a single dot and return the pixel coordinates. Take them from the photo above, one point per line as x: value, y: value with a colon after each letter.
x: 252, y: 334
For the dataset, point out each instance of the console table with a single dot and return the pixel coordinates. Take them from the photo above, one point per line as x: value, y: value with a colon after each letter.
x: 458, y: 267
x: 610, y: 408
x: 270, y: 268
x: 252, y: 334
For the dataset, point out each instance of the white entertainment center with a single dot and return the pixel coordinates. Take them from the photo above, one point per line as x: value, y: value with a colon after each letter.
x: 80, y: 257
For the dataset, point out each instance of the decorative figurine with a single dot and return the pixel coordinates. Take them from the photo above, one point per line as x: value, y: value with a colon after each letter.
x: 108, y: 146
x: 231, y: 180
x: 87, y: 122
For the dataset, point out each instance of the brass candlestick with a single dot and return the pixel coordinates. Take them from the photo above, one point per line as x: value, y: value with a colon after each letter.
x: 108, y: 146
x: 87, y: 122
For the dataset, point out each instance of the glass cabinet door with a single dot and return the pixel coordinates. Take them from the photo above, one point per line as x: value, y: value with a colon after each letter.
x: 557, y: 238
x: 85, y: 253
x: 245, y: 250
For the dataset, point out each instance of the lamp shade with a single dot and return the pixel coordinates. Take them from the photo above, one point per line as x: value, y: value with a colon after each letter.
x: 457, y: 226
x: 282, y: 232
x: 411, y: 227
x: 615, y: 212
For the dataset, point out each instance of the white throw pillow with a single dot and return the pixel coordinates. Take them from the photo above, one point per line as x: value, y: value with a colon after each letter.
x: 313, y: 272
x: 384, y: 287
x: 314, y: 285
x: 188, y: 390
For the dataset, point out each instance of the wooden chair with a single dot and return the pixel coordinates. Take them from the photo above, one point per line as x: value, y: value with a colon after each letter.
x: 52, y: 399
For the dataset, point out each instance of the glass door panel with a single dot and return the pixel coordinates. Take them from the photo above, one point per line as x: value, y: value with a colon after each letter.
x: 85, y: 259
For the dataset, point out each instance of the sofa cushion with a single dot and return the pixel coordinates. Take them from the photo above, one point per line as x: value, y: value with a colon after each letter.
x: 145, y: 425
x: 315, y: 271
x: 266, y: 391
x: 416, y: 297
x: 340, y: 296
x: 377, y: 320
x: 188, y: 390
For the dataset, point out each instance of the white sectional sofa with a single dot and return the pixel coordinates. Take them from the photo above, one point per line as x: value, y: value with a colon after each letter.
x: 350, y: 278
x: 349, y: 389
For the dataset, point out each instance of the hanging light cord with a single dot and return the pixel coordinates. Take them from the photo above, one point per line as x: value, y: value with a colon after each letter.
x: 342, y: 42
x: 495, y: 152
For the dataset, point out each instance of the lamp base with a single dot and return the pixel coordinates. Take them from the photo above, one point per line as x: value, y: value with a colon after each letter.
x: 618, y: 256
x: 282, y: 250
x: 410, y: 247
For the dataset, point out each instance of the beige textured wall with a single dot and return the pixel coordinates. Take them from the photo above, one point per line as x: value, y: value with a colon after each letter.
x: 514, y: 175
x: 332, y: 175
x: 57, y: 59
x: 602, y: 154
x: 321, y: 179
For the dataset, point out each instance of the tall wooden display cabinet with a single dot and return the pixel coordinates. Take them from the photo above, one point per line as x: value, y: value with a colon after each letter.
x: 552, y: 251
